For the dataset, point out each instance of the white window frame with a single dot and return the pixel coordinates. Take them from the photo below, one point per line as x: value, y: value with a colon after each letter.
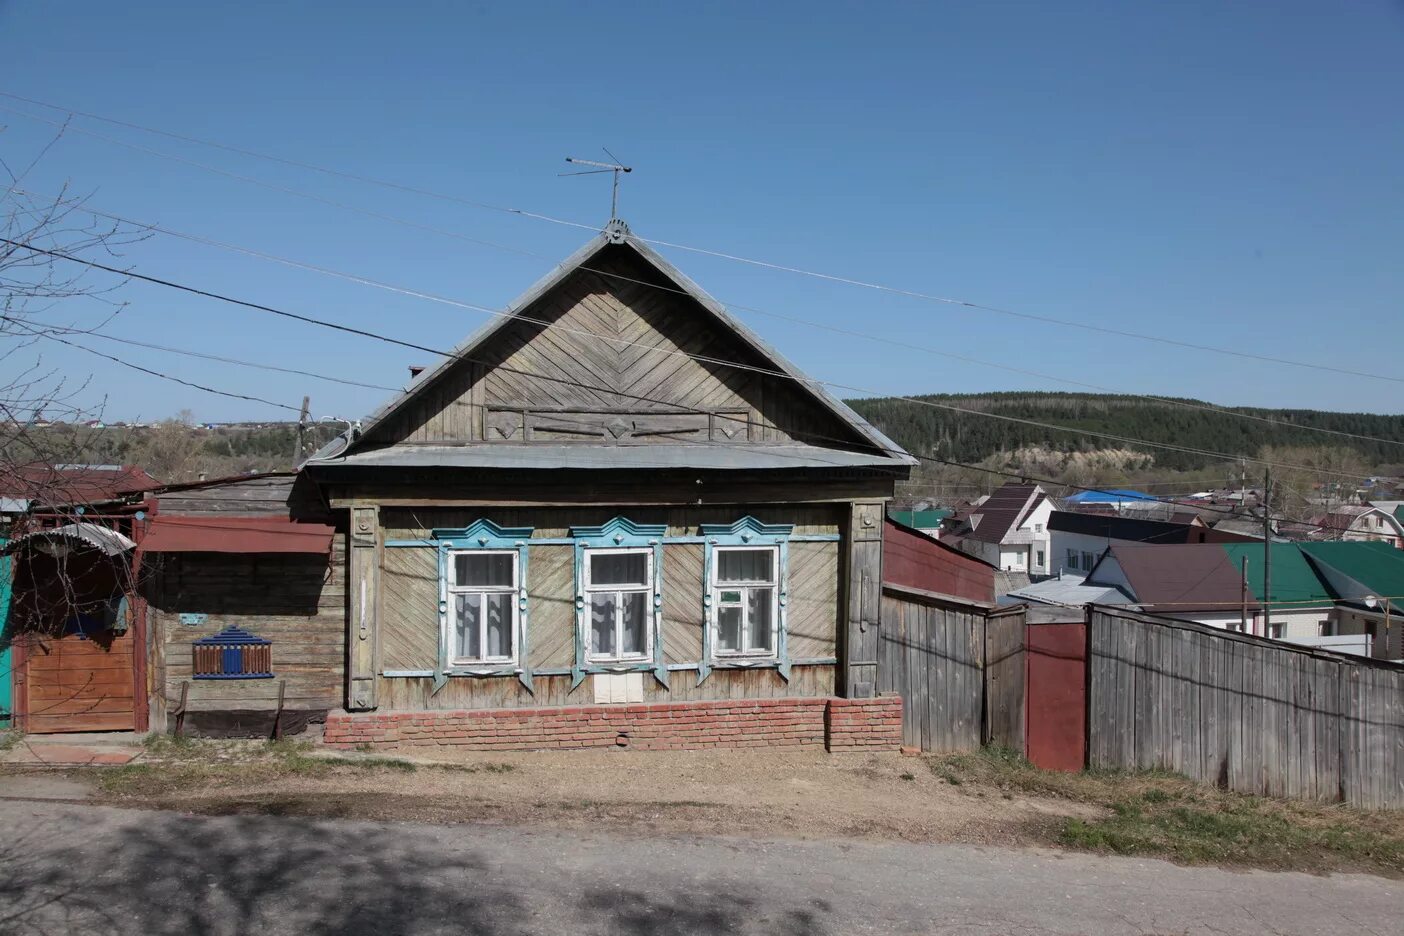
x: 646, y: 589
x: 453, y: 590
x: 715, y: 588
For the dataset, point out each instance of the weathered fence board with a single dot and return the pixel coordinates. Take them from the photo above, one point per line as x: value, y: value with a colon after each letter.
x: 933, y: 651
x: 1255, y: 716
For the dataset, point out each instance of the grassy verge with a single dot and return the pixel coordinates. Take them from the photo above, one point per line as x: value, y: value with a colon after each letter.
x: 175, y: 765
x: 1164, y: 815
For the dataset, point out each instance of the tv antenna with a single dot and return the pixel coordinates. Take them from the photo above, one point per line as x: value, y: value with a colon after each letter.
x: 599, y: 167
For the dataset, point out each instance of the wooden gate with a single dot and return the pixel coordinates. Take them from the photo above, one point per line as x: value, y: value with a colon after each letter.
x: 1057, y: 696
x: 77, y: 683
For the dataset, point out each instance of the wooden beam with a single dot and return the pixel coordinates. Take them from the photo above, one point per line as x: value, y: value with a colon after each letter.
x: 363, y: 601
x: 863, y: 585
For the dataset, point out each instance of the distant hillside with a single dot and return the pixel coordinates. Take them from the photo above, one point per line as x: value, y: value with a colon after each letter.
x: 969, y: 438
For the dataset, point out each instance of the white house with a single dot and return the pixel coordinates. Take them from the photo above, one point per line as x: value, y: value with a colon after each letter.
x: 1010, y: 530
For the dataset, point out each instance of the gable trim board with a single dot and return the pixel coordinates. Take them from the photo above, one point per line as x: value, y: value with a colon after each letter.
x: 872, y: 448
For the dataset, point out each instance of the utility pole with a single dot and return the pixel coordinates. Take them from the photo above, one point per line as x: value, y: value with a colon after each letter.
x: 1243, y: 611
x: 302, y: 430
x: 1267, y: 548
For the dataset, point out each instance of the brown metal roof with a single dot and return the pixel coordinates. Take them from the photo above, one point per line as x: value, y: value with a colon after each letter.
x: 236, y: 535
x: 53, y: 485
x: 1003, y: 511
x: 1179, y: 577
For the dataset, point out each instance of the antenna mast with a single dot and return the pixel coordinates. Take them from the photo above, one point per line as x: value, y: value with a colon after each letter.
x: 599, y: 167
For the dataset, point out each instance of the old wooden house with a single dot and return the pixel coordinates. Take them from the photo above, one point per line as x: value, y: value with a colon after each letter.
x: 613, y: 515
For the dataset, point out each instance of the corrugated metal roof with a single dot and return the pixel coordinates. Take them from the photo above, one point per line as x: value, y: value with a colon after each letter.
x: 107, y: 540
x: 236, y: 535
x: 1070, y: 591
x: 618, y: 234
x: 570, y: 456
x: 1377, y: 566
x: 1135, y: 529
x: 1293, y: 579
x: 1109, y: 497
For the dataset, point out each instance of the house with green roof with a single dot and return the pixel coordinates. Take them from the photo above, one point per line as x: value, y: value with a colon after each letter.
x: 1368, y: 581
x: 923, y: 521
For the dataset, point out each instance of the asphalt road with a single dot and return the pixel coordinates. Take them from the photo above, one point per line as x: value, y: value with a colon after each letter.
x: 87, y: 869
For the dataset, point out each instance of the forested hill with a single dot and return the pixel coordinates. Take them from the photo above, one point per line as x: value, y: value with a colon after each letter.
x: 970, y: 437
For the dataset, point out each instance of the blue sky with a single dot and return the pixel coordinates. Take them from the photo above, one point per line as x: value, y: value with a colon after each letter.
x: 1228, y: 173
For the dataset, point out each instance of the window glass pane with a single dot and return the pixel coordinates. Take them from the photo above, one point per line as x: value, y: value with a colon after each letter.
x: 758, y: 636
x: 483, y: 570
x: 619, y: 569
x: 499, y: 624
x: 466, y: 626
x: 602, y: 624
x: 745, y: 565
x: 634, y: 612
x: 729, y: 629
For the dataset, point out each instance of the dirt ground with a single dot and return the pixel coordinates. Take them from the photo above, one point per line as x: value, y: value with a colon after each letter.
x: 803, y: 795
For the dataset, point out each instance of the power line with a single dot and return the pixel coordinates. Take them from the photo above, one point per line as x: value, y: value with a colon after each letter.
x: 146, y: 370
x: 914, y: 294
x: 1022, y: 476
x: 185, y: 352
x: 700, y: 358
x: 431, y: 297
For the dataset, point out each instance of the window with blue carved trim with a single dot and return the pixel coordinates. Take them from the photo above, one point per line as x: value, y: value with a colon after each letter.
x: 482, y: 597
x: 618, y: 590
x: 744, y: 587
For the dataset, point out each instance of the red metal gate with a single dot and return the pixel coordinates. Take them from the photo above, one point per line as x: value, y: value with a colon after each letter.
x: 1057, y: 696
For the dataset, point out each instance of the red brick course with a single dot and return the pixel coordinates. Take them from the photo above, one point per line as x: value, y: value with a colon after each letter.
x: 835, y: 724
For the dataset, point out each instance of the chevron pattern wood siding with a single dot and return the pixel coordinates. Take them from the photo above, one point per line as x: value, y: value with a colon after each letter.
x: 409, y: 626
x: 620, y: 357
x: 551, y: 600
x: 682, y: 603
x: 813, y: 609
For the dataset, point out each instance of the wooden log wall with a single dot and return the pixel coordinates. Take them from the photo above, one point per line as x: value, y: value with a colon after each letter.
x: 298, y: 602
x: 1252, y: 715
x: 408, y: 610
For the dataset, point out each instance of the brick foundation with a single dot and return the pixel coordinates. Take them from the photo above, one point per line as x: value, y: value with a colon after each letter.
x: 835, y: 724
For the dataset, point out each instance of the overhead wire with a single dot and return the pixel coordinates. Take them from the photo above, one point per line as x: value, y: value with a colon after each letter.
x: 850, y: 281
x: 1023, y: 476
x: 431, y: 297
x: 699, y: 358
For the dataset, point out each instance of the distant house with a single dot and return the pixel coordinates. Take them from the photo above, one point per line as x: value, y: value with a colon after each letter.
x: 1359, y: 523
x: 1112, y: 498
x: 1363, y: 576
x: 928, y: 521
x: 1204, y: 582
x: 1078, y: 540
x: 1009, y: 529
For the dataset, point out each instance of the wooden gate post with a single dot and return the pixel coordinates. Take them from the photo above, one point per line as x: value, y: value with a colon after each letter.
x: 362, y: 633
x: 864, y: 589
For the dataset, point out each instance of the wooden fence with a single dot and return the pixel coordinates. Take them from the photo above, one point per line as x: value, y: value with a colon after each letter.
x: 958, y: 668
x: 1242, y: 712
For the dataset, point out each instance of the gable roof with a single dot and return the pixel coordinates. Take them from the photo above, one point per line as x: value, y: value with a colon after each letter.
x: 58, y: 485
x: 867, y: 439
x: 1003, y: 511
x: 1177, y: 578
x: 1377, y: 567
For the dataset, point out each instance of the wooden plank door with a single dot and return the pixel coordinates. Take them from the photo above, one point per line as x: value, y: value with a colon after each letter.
x: 79, y: 683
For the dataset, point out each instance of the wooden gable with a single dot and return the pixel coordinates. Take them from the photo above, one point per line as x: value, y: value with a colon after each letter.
x: 615, y: 352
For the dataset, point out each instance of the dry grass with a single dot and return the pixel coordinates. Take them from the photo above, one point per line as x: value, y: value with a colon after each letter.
x: 992, y: 797
x: 1165, y: 815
